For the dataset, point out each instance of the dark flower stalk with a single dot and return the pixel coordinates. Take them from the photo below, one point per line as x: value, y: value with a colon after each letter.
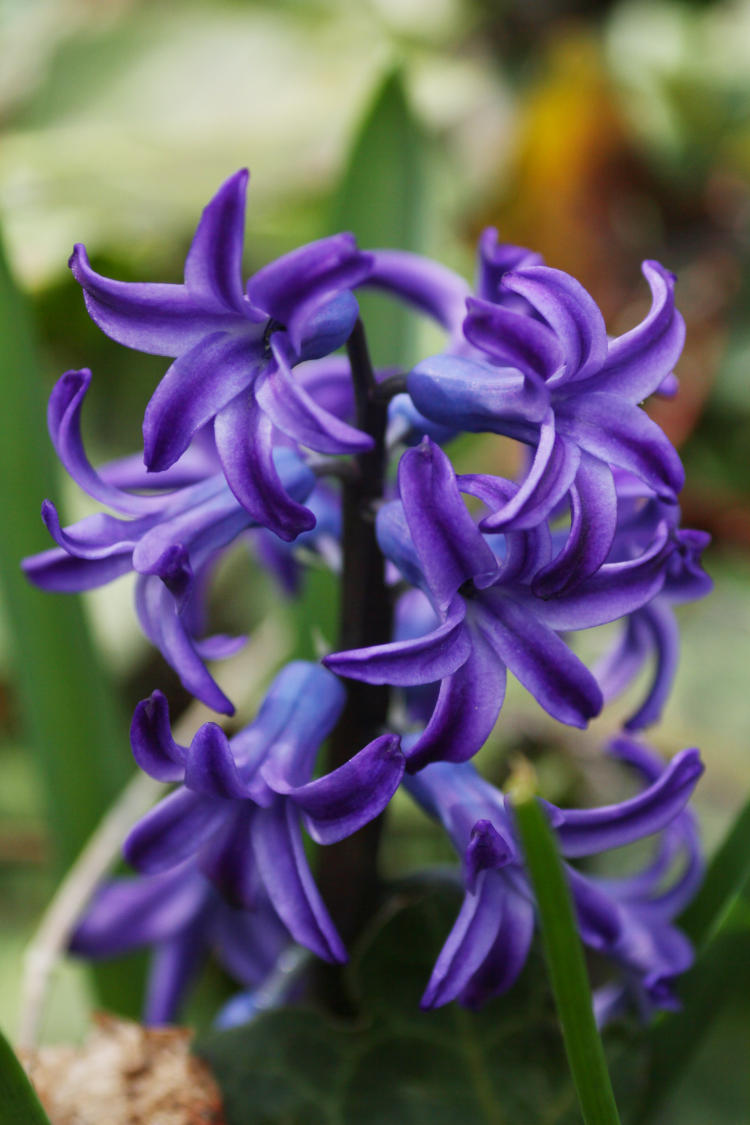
x: 347, y: 875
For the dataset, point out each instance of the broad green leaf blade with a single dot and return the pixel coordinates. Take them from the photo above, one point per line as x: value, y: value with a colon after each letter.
x: 502, y: 1065
x: 65, y: 702
x: 19, y: 1104
x: 382, y: 198
x: 727, y: 874
x: 564, y: 953
x: 721, y: 972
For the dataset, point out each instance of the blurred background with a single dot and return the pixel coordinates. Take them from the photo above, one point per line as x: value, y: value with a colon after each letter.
x: 597, y: 133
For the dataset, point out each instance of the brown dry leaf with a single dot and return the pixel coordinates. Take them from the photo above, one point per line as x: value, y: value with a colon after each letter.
x: 125, y: 1074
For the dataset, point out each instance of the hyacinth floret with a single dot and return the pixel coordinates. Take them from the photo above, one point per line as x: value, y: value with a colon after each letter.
x: 626, y: 920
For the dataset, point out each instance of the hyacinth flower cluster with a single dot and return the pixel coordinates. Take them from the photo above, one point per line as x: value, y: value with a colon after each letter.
x: 271, y: 428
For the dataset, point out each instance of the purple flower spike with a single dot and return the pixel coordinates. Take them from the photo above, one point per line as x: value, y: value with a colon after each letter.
x: 239, y: 806
x: 483, y: 629
x: 234, y: 348
x: 626, y: 920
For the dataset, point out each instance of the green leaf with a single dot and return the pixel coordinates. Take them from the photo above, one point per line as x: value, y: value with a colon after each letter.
x: 19, y: 1104
x: 727, y: 874
x: 567, y: 968
x: 66, y: 706
x: 503, y: 1065
x: 721, y: 973
x: 382, y: 198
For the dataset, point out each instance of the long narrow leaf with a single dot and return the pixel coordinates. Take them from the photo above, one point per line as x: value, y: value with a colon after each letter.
x: 19, y: 1104
x: 382, y: 199
x: 727, y: 874
x: 564, y: 954
x: 66, y: 706
x: 67, y: 712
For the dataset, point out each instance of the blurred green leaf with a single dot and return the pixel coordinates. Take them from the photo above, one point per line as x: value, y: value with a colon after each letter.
x: 503, y: 1065
x: 564, y: 953
x: 19, y: 1104
x: 721, y: 972
x: 382, y: 198
x: 66, y: 707
x: 728, y: 873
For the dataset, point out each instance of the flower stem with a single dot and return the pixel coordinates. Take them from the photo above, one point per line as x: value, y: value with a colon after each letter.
x: 348, y: 876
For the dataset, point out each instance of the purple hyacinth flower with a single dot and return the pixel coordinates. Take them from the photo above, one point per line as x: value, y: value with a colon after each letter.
x: 240, y: 802
x: 171, y: 537
x: 627, y: 921
x: 489, y: 617
x: 235, y: 348
x: 182, y: 918
x: 552, y: 379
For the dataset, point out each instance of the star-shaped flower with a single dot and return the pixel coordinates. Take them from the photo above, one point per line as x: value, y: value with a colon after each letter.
x: 627, y: 920
x: 488, y: 615
x: 235, y: 349
x: 241, y: 800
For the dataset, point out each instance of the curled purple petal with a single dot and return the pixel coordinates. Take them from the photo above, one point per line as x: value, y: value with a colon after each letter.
x: 210, y: 768
x: 283, y: 868
x: 167, y: 629
x: 213, y: 267
x: 402, y: 663
x: 468, y: 943
x: 467, y: 707
x: 198, y: 385
x: 61, y: 573
x: 614, y: 591
x: 570, y: 311
x: 661, y: 632
x: 495, y: 259
x: 589, y: 831
x: 172, y: 831
x: 451, y: 549
x: 593, y: 521
x: 487, y: 850
x: 154, y: 748
x: 128, y: 913
x: 541, y: 661
x: 153, y: 318
x: 640, y: 361
x: 336, y: 805
x: 95, y: 537
x: 512, y: 339
x: 244, y: 440
x: 621, y: 434
x: 552, y: 473
x: 507, y: 956
x: 64, y: 424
